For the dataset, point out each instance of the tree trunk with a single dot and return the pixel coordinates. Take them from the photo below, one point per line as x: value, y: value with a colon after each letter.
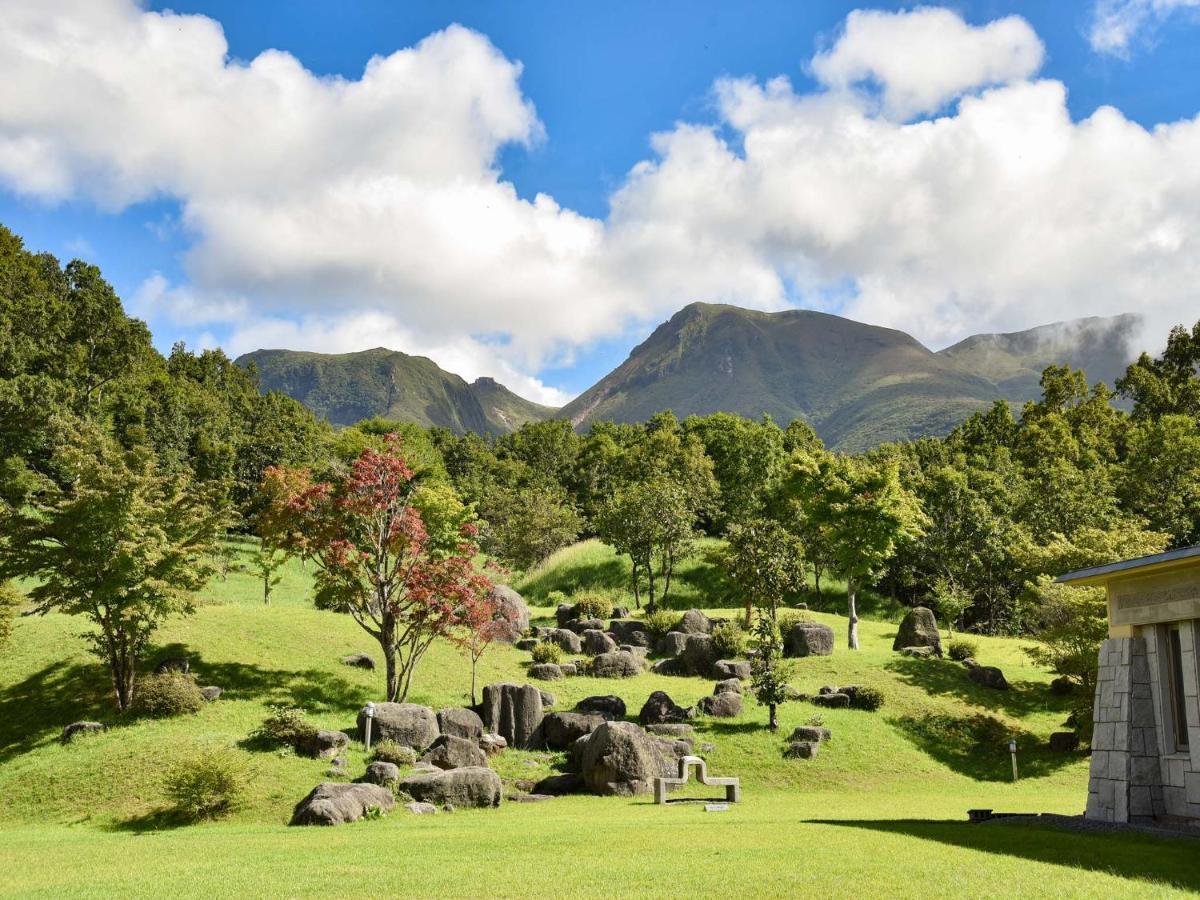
x: 267, y: 591
x: 387, y: 642
x: 817, y: 581
x: 474, y: 666
x: 852, y: 613
x: 772, y: 721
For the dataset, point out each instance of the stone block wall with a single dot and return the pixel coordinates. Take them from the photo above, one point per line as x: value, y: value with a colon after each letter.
x: 1179, y: 770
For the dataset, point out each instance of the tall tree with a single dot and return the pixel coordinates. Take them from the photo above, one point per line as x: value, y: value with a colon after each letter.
x: 766, y: 563
x: 1170, y: 383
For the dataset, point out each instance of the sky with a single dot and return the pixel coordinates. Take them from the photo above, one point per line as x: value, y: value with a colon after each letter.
x: 525, y: 190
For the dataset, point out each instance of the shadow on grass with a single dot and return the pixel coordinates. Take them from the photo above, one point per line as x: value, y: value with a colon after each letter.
x: 609, y: 574
x: 34, y: 711
x: 950, y: 678
x: 158, y: 820
x: 1125, y: 855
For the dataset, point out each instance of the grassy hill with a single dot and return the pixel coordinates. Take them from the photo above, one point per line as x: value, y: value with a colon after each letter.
x: 347, y: 387
x: 879, y: 811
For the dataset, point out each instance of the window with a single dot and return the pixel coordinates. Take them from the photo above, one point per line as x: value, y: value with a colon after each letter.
x: 1175, y: 688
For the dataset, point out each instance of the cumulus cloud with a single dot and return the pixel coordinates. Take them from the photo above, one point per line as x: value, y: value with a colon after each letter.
x: 1116, y: 23
x: 925, y: 58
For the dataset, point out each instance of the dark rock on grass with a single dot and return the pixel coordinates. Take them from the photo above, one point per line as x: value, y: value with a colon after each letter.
x: 989, y: 677
x: 831, y: 701
x: 421, y: 809
x: 699, y: 655
x: 609, y: 706
x: 491, y: 744
x: 173, y: 664
x: 620, y: 612
x: 548, y: 699
x: 384, y: 774
x: 559, y: 785
x: 514, y: 712
x: 802, y: 750
x: 669, y: 667
x: 596, y: 642
x: 323, y: 744
x: 674, y: 748
x: 529, y: 798
x: 471, y: 786
x: 660, y: 708
x: 728, y: 686
x: 460, y: 722
x: 513, y: 608
x: 575, y: 753
x: 695, y: 622
x: 619, y: 758
x: 80, y: 729
x: 332, y: 804
x: 579, y: 626
x: 640, y: 652
x: 810, y: 734
x: 672, y: 644
x: 629, y: 631
x: 564, y: 613
x: 1062, y: 686
x: 408, y: 724
x: 562, y: 729
x: 919, y: 629
x: 808, y: 639
x: 527, y: 644
x: 675, y: 730
x: 616, y: 665
x: 1064, y: 742
x: 721, y: 706
x: 569, y: 670
x: 210, y: 693
x: 917, y: 652
x: 729, y: 668
x: 359, y: 661
x: 568, y: 640
x: 546, y: 672
x: 450, y: 752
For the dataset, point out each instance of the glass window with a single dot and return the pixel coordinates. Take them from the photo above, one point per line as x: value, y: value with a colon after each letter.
x: 1175, y: 676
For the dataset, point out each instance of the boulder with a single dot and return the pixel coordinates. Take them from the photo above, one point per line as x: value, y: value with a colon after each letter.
x: 513, y: 609
x: 78, y: 729
x: 919, y: 629
x: 527, y: 644
x: 672, y: 644
x: 471, y: 786
x: 699, y: 655
x: 569, y: 670
x: 669, y: 667
x: 568, y: 640
x: 721, y: 706
x: 421, y: 809
x: 210, y: 693
x: 332, y: 803
x: 382, y: 773
x: 514, y: 712
x: 620, y: 612
x: 460, y: 722
x: 917, y: 652
x: 728, y: 686
x: 575, y: 753
x: 1064, y: 742
x: 324, y: 744
x: 359, y: 661
x: 558, y: 785
x: 173, y: 664
x: 546, y: 672
x: 695, y: 622
x: 832, y: 701
x: 808, y: 639
x: 408, y: 724
x: 564, y: 613
x: 596, y: 642
x: 640, y: 652
x: 674, y: 730
x: 619, y: 758
x: 810, y: 734
x: 1062, y: 686
x: 617, y: 664
x: 579, y: 626
x: 802, y: 750
x: 660, y: 708
x: 562, y: 729
x: 674, y: 747
x: 548, y: 699
x: 450, y: 752
x: 728, y: 668
x: 629, y: 631
x: 609, y: 706
x: 491, y: 744
x: 989, y: 677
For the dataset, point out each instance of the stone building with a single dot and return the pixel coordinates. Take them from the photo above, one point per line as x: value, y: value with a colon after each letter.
x: 1146, y: 747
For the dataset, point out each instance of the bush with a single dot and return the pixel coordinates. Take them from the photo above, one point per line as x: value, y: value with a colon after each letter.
x: 10, y: 603
x: 168, y: 694
x: 547, y: 652
x: 960, y: 649
x: 390, y: 751
x: 729, y: 640
x: 816, y: 721
x: 593, y: 606
x: 660, y: 621
x: 556, y: 599
x: 867, y: 698
x: 286, y: 725
x: 1081, y: 721
x: 789, y: 617
x: 207, y: 783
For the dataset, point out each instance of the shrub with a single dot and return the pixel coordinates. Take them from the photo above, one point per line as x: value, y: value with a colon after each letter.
x: 207, y: 783
x: 867, y: 698
x: 556, y: 598
x: 547, y: 652
x: 390, y: 751
x: 1081, y: 720
x: 161, y: 696
x: 593, y: 606
x: 10, y: 603
x: 729, y: 640
x: 789, y: 617
x: 960, y: 649
x: 286, y: 725
x: 660, y: 621
x: 816, y: 721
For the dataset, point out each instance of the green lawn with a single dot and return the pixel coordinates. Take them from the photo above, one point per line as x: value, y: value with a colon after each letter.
x: 879, y: 811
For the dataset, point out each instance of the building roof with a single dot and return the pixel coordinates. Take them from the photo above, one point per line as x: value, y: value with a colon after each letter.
x: 1101, y: 574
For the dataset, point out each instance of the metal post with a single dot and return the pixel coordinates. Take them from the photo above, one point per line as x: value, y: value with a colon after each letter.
x: 1012, y: 748
x: 369, y: 710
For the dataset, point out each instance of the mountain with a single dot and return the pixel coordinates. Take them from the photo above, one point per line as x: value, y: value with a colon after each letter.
x: 347, y: 387
x: 858, y: 385
x: 1102, y: 347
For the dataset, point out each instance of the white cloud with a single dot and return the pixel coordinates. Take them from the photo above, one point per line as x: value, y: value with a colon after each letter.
x: 925, y: 58
x: 1116, y: 23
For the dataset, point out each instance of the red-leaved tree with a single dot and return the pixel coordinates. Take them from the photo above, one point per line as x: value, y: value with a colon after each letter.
x: 373, y: 556
x: 481, y: 620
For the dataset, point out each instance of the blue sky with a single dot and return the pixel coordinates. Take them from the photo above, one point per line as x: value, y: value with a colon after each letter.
x: 603, y: 78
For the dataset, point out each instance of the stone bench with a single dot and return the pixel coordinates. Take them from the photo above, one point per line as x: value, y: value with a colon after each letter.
x: 733, y: 788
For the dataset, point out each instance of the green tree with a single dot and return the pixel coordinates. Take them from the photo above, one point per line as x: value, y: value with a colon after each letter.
x: 11, y: 601
x: 766, y: 564
x: 1168, y: 384
x: 1072, y: 622
x: 532, y: 523
x: 747, y: 460
x: 1161, y: 476
x: 122, y: 544
x: 265, y: 562
x: 769, y: 671
x: 951, y: 600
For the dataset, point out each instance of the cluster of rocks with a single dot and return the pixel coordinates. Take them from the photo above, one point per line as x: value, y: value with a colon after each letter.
x: 805, y: 741
x: 985, y: 676
x: 690, y: 650
x: 918, y: 634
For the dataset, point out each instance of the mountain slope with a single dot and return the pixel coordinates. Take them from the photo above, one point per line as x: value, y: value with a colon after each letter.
x: 347, y: 387
x: 859, y: 385
x: 1102, y: 347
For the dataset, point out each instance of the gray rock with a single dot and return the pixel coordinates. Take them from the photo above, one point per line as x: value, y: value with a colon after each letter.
x: 810, y: 734
x: 80, y: 729
x: 729, y: 668
x: 558, y: 785
x: 408, y: 724
x: 919, y: 629
x: 729, y: 685
x: 579, y: 626
x: 472, y: 786
x: 359, y: 661
x: 564, y: 613
x: 562, y: 729
x: 382, y: 773
x: 568, y: 640
x: 629, y: 631
x: 619, y: 758
x: 514, y: 712
x: 450, y: 752
x: 672, y: 644
x: 596, y: 642
x: 546, y: 672
x: 831, y: 701
x: 659, y: 708
x: 1062, y: 686
x: 460, y: 722
x: 671, y: 729
x: 514, y: 609
x: 640, y: 652
x: 324, y: 744
x: 491, y: 744
x: 575, y: 753
x: 421, y: 809
x: 699, y: 655
x: 609, y: 706
x: 989, y: 677
x: 802, y: 750
x: 617, y: 664
x: 332, y: 803
x: 808, y: 639
x: 210, y: 693
x: 721, y: 706
x: 527, y: 644
x: 569, y: 670
x: 173, y: 664
x: 695, y: 622
x: 1064, y: 742
x: 669, y: 667
x: 918, y: 652
x: 548, y: 699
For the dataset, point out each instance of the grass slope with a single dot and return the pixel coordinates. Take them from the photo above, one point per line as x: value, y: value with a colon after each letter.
x: 879, y: 811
